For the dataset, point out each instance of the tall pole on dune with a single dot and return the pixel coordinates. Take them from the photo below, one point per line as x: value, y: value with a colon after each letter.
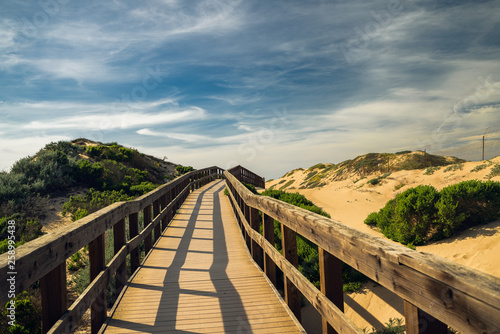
x: 483, y: 149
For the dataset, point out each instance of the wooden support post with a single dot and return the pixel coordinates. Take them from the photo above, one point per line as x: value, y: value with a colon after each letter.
x: 119, y: 240
x: 164, y: 221
x: 246, y: 213
x: 54, y: 296
x: 255, y: 224
x: 156, y: 212
x: 292, y: 294
x: 419, y: 322
x: 268, y: 229
x: 148, y: 241
x: 133, y: 227
x: 97, y: 263
x: 330, y: 271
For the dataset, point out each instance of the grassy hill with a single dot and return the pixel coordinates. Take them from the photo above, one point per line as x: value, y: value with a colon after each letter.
x: 361, y: 166
x: 108, y: 172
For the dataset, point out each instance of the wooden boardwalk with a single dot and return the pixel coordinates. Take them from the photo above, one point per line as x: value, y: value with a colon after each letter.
x: 199, y: 278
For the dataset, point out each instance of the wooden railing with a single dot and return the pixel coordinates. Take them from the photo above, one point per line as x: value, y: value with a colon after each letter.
x: 244, y: 175
x: 44, y: 259
x: 436, y: 292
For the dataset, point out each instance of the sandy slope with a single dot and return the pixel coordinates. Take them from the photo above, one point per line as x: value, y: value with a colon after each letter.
x: 350, y: 202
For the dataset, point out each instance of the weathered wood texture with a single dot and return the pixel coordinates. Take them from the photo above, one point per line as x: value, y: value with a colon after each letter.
x: 42, y: 258
x: 463, y: 298
x: 199, y: 278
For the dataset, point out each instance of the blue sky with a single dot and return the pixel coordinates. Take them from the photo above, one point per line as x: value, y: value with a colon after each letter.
x: 271, y: 85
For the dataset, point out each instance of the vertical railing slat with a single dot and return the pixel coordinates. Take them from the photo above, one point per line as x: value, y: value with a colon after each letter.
x: 54, y: 296
x: 268, y: 230
x: 97, y: 263
x: 255, y: 224
x: 292, y: 294
x: 119, y: 240
x: 330, y: 271
x: 419, y: 322
x: 148, y: 241
x: 133, y: 227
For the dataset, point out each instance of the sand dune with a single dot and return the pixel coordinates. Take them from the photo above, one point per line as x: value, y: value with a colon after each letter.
x: 350, y: 201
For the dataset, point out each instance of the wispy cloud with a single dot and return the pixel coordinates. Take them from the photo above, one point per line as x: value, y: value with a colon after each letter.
x: 204, y: 78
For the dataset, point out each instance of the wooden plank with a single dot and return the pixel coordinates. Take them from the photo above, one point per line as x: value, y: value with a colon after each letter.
x: 54, y: 296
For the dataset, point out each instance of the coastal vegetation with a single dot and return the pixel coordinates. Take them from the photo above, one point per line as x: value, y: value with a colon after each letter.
x: 422, y: 214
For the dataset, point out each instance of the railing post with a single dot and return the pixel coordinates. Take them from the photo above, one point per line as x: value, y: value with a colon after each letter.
x: 164, y: 221
x: 156, y: 212
x: 118, y: 242
x: 148, y: 241
x: 97, y: 263
x: 133, y: 227
x: 54, y: 296
x: 268, y: 230
x: 419, y: 322
x: 330, y: 271
x: 246, y: 213
x: 292, y: 294
x: 255, y: 224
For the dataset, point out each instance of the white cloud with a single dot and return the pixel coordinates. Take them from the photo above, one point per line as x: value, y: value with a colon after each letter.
x: 125, y: 120
x: 13, y: 149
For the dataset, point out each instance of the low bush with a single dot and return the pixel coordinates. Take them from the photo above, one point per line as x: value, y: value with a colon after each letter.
x: 80, y: 206
x: 421, y: 214
x: 183, y: 169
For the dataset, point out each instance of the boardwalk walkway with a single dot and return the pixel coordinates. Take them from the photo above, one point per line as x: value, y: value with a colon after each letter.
x: 199, y: 278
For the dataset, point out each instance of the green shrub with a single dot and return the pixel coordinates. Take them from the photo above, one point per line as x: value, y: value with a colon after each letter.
x: 250, y: 187
x: 455, y: 167
x: 478, y: 168
x: 394, y: 326
x: 142, y: 188
x: 431, y: 170
x: 495, y: 171
x: 286, y: 185
x: 351, y: 287
x: 371, y: 219
x: 28, y: 317
x: 183, y: 169
x: 94, y: 200
x: 421, y: 214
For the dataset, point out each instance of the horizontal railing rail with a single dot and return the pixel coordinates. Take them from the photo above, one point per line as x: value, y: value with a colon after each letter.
x: 44, y: 259
x: 436, y: 292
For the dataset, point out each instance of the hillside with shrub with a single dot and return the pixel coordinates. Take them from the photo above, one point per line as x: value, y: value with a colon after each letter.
x: 325, y: 173
x: 105, y: 172
x: 423, y: 214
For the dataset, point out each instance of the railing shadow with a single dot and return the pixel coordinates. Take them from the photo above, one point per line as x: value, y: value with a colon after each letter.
x: 214, y: 285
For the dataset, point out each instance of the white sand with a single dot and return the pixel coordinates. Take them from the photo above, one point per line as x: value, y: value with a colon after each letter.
x: 350, y: 202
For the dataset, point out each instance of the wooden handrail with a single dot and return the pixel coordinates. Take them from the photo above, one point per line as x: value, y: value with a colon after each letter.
x: 436, y: 292
x: 44, y: 258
